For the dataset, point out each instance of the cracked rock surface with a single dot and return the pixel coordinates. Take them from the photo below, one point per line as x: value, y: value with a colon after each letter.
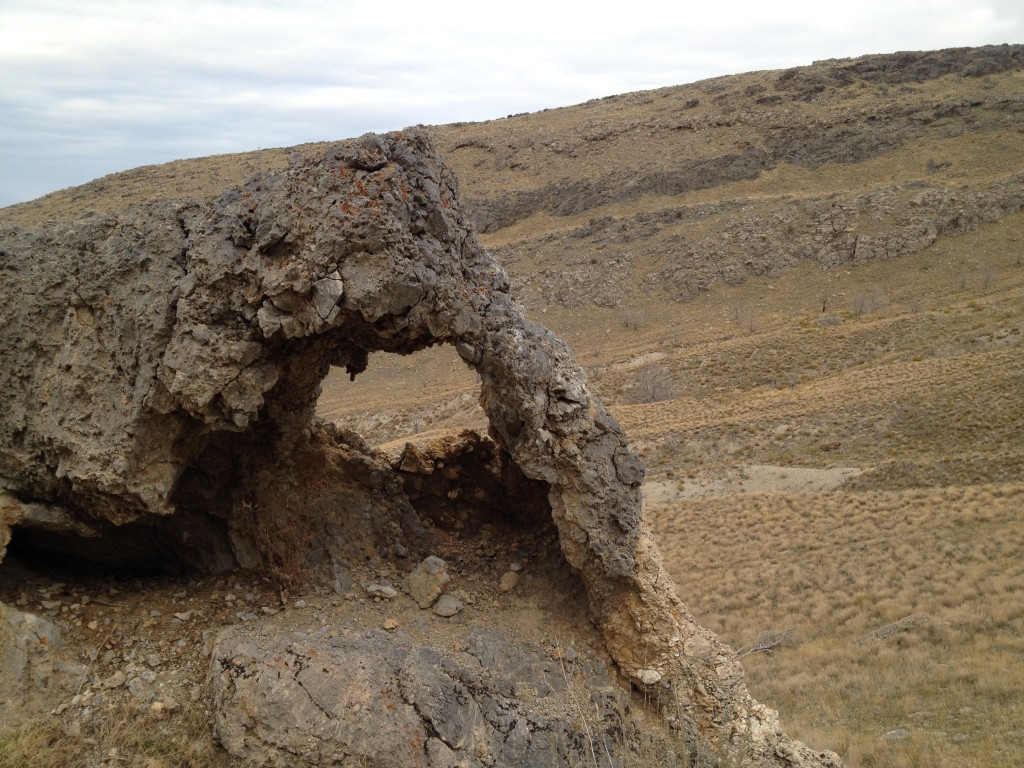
x: 162, y: 368
x: 34, y: 674
x: 384, y: 699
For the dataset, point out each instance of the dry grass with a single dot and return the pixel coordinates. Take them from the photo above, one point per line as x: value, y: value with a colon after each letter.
x: 841, y: 564
x: 127, y: 738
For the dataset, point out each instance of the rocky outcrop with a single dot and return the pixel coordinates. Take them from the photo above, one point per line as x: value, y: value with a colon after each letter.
x: 752, y: 237
x: 742, y: 129
x: 376, y: 698
x: 34, y: 674
x: 162, y: 368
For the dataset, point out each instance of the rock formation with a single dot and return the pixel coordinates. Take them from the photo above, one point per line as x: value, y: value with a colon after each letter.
x: 34, y: 675
x: 413, y: 705
x: 161, y: 369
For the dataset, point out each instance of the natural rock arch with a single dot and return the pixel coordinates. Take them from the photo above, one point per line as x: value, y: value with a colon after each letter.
x: 162, y: 369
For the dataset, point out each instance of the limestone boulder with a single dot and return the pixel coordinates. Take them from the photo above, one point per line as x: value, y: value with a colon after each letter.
x: 374, y: 698
x: 35, y: 676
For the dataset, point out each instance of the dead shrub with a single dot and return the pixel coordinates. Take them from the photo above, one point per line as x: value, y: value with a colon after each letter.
x: 868, y: 300
x: 652, y: 385
x: 746, y: 318
x: 282, y: 546
x: 634, y: 319
x: 769, y: 640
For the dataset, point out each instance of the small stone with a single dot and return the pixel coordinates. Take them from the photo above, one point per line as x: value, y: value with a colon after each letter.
x: 384, y: 591
x: 390, y: 624
x: 447, y: 606
x: 154, y: 660
x: 183, y: 615
x: 342, y: 581
x: 229, y: 598
x: 155, y: 614
x: 428, y: 580
x: 516, y: 567
x: 508, y: 581
x: 649, y: 676
x: 900, y: 734
x: 959, y: 738
x: 299, y: 604
x: 93, y: 624
x: 116, y: 680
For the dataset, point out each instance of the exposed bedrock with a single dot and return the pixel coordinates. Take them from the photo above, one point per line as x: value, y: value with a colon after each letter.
x: 161, y: 370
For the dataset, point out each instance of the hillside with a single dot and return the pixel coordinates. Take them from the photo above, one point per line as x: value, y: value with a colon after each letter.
x: 802, y: 295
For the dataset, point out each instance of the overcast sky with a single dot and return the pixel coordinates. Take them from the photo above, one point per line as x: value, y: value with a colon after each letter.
x: 92, y: 87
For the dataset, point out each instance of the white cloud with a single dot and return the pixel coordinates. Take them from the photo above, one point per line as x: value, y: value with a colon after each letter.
x: 93, y: 87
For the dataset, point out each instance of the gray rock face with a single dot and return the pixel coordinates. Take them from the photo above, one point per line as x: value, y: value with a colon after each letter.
x: 34, y: 676
x: 161, y: 369
x: 380, y: 699
x: 785, y: 139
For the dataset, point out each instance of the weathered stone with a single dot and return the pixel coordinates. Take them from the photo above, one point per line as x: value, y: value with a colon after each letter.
x: 428, y: 580
x: 379, y: 699
x: 899, y: 734
x: 384, y: 591
x: 650, y: 676
x: 161, y: 369
x: 508, y: 581
x: 10, y: 514
x: 34, y: 676
x: 447, y: 606
x: 905, y: 624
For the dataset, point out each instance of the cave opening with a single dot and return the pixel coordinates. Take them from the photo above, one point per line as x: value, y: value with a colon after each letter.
x: 402, y: 450
x: 66, y: 556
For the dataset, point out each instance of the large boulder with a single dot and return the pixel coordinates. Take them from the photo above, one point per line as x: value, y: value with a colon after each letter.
x: 162, y: 368
x: 35, y: 675
x: 373, y: 698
